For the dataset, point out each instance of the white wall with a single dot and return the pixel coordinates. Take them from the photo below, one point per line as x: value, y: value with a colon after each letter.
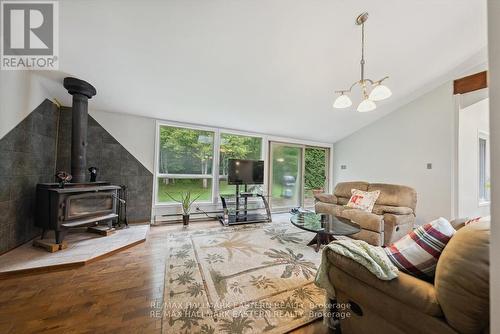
x: 13, y: 108
x: 397, y: 148
x: 20, y: 93
x: 494, y: 87
x: 473, y: 120
x: 136, y: 134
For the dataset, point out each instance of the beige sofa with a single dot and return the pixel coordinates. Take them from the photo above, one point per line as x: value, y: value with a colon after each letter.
x: 456, y: 302
x: 392, y: 217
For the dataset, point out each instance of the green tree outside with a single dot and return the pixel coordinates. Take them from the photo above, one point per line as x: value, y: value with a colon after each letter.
x: 190, y: 151
x: 315, y: 168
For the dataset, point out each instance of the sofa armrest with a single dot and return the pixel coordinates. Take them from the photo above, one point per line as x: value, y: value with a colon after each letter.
x: 407, y: 289
x: 366, y: 220
x: 397, y: 226
x: 396, y: 210
x: 326, y: 198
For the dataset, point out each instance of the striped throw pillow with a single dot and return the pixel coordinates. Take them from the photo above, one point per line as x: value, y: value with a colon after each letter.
x: 417, y: 253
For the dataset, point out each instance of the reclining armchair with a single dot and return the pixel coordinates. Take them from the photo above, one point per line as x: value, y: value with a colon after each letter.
x: 456, y: 301
x: 393, y: 215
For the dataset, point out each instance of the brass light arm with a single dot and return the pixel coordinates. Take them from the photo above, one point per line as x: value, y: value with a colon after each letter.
x: 360, y: 82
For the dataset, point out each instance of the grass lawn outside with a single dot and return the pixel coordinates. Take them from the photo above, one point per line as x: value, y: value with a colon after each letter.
x: 195, y: 186
x: 179, y: 186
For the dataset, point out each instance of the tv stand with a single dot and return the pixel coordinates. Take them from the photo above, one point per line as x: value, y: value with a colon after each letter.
x: 237, y: 210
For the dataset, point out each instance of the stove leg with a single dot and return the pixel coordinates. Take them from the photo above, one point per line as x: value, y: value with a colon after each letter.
x: 58, y: 237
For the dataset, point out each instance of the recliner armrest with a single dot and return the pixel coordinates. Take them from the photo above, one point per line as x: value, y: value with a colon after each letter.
x: 407, y: 289
x: 396, y: 210
x: 326, y: 198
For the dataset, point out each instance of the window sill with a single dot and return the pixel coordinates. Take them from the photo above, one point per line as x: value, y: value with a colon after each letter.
x: 159, y: 205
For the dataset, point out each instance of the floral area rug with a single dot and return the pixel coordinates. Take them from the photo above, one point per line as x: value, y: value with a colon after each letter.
x: 255, y: 278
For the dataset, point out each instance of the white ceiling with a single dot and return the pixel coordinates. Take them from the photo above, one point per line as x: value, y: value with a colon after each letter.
x: 267, y: 66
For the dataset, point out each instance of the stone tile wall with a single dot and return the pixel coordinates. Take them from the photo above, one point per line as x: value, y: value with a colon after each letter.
x: 115, y: 164
x: 39, y: 146
x: 27, y: 157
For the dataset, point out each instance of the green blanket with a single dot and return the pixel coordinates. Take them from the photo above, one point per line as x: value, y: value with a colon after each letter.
x: 371, y: 257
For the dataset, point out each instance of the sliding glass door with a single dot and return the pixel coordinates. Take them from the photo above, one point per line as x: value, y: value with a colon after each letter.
x: 315, y: 172
x: 286, y: 176
x: 295, y: 172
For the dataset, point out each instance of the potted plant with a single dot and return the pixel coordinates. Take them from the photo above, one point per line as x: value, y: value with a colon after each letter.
x: 314, y: 188
x: 186, y: 201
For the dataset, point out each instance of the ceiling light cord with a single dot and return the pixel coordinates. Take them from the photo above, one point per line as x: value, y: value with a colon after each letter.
x: 371, y: 90
x: 362, y: 62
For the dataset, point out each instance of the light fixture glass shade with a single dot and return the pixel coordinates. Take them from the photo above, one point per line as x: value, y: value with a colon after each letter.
x: 343, y: 101
x: 380, y: 92
x: 366, y: 105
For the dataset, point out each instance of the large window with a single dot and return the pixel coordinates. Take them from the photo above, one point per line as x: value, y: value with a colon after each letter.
x: 185, y: 163
x: 234, y: 146
x: 484, y: 169
x: 196, y: 160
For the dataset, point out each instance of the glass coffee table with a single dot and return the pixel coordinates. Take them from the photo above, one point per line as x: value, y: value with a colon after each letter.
x: 325, y: 226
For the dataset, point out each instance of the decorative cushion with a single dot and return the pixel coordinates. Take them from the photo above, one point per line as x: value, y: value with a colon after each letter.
x: 417, y: 253
x: 363, y: 200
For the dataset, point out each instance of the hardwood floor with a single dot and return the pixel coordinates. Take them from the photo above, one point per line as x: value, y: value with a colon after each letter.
x: 113, y: 295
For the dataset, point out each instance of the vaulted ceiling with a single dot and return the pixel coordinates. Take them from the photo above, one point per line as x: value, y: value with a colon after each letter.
x: 264, y: 66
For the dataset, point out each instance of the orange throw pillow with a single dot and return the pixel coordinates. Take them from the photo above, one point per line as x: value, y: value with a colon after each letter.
x: 363, y: 200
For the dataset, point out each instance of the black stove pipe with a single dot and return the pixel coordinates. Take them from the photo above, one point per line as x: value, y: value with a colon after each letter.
x: 82, y: 91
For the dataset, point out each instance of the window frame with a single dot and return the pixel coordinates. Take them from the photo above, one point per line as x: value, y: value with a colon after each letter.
x: 159, y: 175
x: 160, y: 208
x: 482, y: 135
x: 243, y: 134
x: 214, y: 176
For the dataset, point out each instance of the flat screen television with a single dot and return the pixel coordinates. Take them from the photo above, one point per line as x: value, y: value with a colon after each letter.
x: 245, y: 171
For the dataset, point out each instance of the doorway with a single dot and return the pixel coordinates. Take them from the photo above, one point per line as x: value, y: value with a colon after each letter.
x: 473, y: 155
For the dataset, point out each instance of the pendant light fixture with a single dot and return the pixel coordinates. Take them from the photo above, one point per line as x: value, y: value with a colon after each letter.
x: 371, y: 90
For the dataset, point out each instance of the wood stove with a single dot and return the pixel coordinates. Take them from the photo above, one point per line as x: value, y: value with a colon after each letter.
x: 60, y: 206
x: 75, y: 205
